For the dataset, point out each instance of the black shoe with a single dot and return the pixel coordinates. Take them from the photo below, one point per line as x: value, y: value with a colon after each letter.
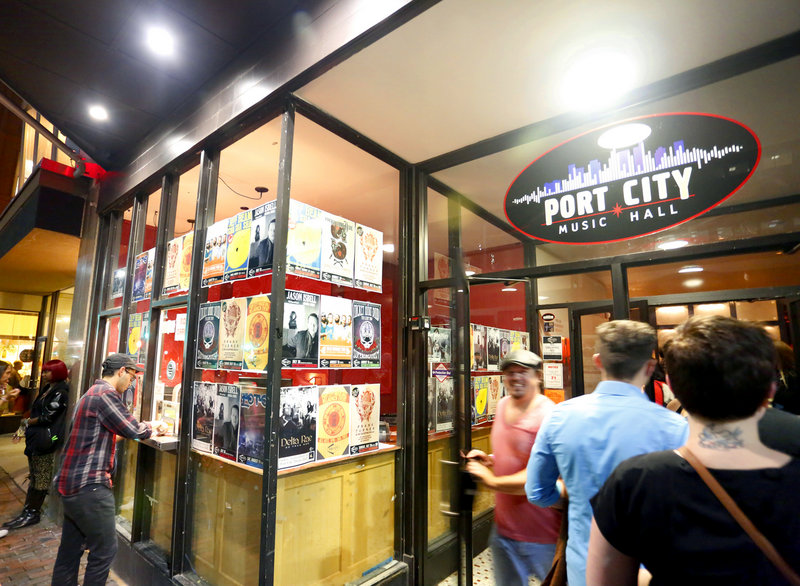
x: 15, y: 520
x: 30, y: 518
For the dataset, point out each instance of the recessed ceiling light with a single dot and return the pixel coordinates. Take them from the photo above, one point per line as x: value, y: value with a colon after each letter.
x: 623, y: 136
x: 160, y: 41
x: 597, y: 79
x: 98, y: 112
x: 691, y: 269
x: 692, y: 283
x: 508, y: 289
x: 388, y: 248
x: 673, y: 244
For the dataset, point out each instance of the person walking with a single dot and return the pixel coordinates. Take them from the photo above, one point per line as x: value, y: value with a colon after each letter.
x: 585, y: 438
x: 44, y: 433
x: 524, y: 536
x: 84, y: 481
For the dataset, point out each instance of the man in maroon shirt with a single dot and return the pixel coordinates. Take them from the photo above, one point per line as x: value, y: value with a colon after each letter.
x: 84, y: 481
x: 524, y: 537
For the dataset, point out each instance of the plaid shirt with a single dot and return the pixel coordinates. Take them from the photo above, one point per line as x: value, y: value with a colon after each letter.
x: 89, y: 455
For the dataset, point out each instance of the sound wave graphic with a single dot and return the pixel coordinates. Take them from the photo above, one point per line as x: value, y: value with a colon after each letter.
x: 627, y: 163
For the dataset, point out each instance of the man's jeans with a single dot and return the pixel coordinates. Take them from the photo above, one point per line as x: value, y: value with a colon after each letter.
x: 515, y: 560
x: 88, y: 524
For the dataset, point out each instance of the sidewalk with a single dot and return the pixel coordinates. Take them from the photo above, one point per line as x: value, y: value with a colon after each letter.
x: 26, y: 555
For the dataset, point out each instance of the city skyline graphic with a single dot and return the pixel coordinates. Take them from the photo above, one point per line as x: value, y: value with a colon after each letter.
x: 628, y: 163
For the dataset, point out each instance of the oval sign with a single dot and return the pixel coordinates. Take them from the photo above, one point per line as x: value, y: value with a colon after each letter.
x: 632, y: 178
x: 548, y: 317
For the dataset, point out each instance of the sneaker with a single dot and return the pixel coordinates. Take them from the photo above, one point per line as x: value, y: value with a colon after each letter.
x: 3, y: 533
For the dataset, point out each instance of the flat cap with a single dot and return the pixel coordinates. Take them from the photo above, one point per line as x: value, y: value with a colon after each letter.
x: 521, y: 357
x: 116, y: 361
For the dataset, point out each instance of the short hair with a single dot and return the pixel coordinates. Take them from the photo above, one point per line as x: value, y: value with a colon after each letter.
x: 18, y: 364
x: 720, y: 368
x: 624, y: 346
x: 58, y: 370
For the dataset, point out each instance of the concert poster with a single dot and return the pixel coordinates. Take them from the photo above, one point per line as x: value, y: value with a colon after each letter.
x: 208, y: 336
x: 478, y: 338
x: 516, y: 340
x: 148, y: 274
x: 444, y: 404
x: 172, y: 266
x: 256, y: 333
x: 480, y: 398
x: 505, y: 343
x: 232, y: 328
x: 237, y: 252
x: 226, y: 422
x: 203, y: 416
x: 185, y: 272
x: 298, y: 426
x: 333, y: 429
x: 134, y: 334
x: 262, y: 239
x: 145, y: 339
x: 439, y: 345
x: 169, y: 414
x: 118, y: 283
x: 495, y: 393
x: 214, y: 253
x: 251, y: 428
x: 368, y: 271
x: 139, y: 275
x: 171, y: 351
x: 526, y: 341
x: 366, y: 335
x: 492, y: 348
x: 335, y: 332
x: 364, y: 416
x: 300, y: 330
x: 432, y: 404
x: 304, y: 240
x: 338, y: 249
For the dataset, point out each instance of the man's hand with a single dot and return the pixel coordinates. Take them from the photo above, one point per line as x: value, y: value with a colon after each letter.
x: 480, y: 457
x: 481, y: 472
x: 159, y: 427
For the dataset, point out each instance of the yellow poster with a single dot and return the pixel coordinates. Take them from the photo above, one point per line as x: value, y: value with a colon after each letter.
x: 186, y: 261
x: 256, y: 337
x: 333, y: 426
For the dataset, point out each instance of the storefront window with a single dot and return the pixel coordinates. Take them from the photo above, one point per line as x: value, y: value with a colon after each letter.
x: 180, y: 236
x: 61, y: 330
x: 594, y: 286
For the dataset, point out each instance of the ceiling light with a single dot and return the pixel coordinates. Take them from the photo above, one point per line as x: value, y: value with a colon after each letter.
x: 691, y: 269
x: 160, y: 41
x: 623, y: 136
x: 98, y: 112
x: 469, y: 273
x: 673, y: 244
x: 508, y: 289
x: 388, y: 248
x: 692, y: 283
x: 597, y: 79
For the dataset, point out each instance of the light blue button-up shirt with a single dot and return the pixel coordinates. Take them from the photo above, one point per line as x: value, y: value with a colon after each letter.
x: 583, y: 440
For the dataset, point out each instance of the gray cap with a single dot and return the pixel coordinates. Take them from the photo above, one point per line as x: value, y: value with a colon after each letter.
x: 117, y: 361
x: 521, y: 357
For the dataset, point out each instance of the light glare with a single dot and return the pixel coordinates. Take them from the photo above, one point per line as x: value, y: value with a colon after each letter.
x: 160, y: 41
x: 597, y: 79
x: 98, y: 112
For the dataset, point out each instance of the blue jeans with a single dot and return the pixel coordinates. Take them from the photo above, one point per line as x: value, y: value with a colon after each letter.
x: 88, y: 524
x: 514, y: 561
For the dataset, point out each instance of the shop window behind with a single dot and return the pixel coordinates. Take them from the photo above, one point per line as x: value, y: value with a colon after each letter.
x: 119, y: 260
x: 61, y: 330
x: 180, y: 236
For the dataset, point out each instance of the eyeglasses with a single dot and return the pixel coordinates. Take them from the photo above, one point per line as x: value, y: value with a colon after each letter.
x: 130, y: 371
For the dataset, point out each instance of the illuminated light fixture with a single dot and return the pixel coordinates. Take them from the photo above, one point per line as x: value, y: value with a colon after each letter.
x: 388, y: 248
x: 673, y: 244
x: 469, y: 273
x: 160, y: 41
x: 508, y: 289
x: 691, y: 269
x: 623, y: 136
x: 597, y: 79
x: 543, y: 297
x: 692, y: 283
x: 98, y: 112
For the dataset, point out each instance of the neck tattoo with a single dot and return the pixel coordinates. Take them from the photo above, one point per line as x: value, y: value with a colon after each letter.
x: 713, y: 437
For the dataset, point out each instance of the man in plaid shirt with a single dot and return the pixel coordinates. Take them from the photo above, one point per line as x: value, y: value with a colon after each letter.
x: 84, y: 481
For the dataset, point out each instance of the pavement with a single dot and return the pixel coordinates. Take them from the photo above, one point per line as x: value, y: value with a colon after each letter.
x: 26, y: 555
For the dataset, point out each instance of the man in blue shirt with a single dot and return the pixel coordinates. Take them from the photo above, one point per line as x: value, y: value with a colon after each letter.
x: 585, y: 438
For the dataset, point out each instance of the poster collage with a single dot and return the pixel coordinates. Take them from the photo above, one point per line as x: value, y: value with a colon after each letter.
x: 319, y: 331
x: 317, y: 423
x: 489, y: 346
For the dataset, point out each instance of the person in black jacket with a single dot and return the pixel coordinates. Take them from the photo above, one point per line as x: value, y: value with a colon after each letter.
x: 44, y: 432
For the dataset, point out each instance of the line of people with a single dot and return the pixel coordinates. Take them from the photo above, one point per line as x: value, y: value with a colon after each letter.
x: 637, y: 509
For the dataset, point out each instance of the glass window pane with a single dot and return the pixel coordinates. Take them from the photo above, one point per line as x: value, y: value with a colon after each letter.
x: 757, y: 310
x: 594, y: 286
x: 61, y: 331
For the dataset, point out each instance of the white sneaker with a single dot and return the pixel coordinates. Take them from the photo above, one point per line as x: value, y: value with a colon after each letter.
x: 3, y: 532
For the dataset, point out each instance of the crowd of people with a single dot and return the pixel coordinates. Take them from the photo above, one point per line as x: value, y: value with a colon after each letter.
x: 651, y: 496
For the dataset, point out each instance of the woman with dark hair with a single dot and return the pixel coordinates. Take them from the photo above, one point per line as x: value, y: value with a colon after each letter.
x: 7, y: 398
x: 44, y: 432
x: 660, y: 509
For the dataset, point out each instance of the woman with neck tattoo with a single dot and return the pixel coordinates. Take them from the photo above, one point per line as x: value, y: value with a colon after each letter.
x: 657, y: 509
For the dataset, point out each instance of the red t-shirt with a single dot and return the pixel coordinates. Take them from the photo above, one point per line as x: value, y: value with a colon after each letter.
x: 514, y: 516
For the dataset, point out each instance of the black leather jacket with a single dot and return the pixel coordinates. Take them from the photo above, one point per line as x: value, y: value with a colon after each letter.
x: 49, y: 410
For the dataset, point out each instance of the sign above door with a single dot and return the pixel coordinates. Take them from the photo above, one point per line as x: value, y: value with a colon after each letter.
x: 632, y: 178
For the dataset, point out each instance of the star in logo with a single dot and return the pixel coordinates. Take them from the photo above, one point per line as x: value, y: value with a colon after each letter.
x: 617, y: 210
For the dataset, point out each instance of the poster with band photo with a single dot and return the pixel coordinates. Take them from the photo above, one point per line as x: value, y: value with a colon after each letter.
x: 368, y: 268
x: 172, y: 266
x: 335, y: 332
x: 298, y: 426
x: 214, y: 253
x: 203, y: 416
x: 208, y: 336
x: 300, y: 330
x: 492, y: 348
x: 139, y: 276
x: 262, y: 239
x: 366, y: 335
x: 251, y: 428
x: 338, y: 249
x: 226, y: 423
x: 304, y: 240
